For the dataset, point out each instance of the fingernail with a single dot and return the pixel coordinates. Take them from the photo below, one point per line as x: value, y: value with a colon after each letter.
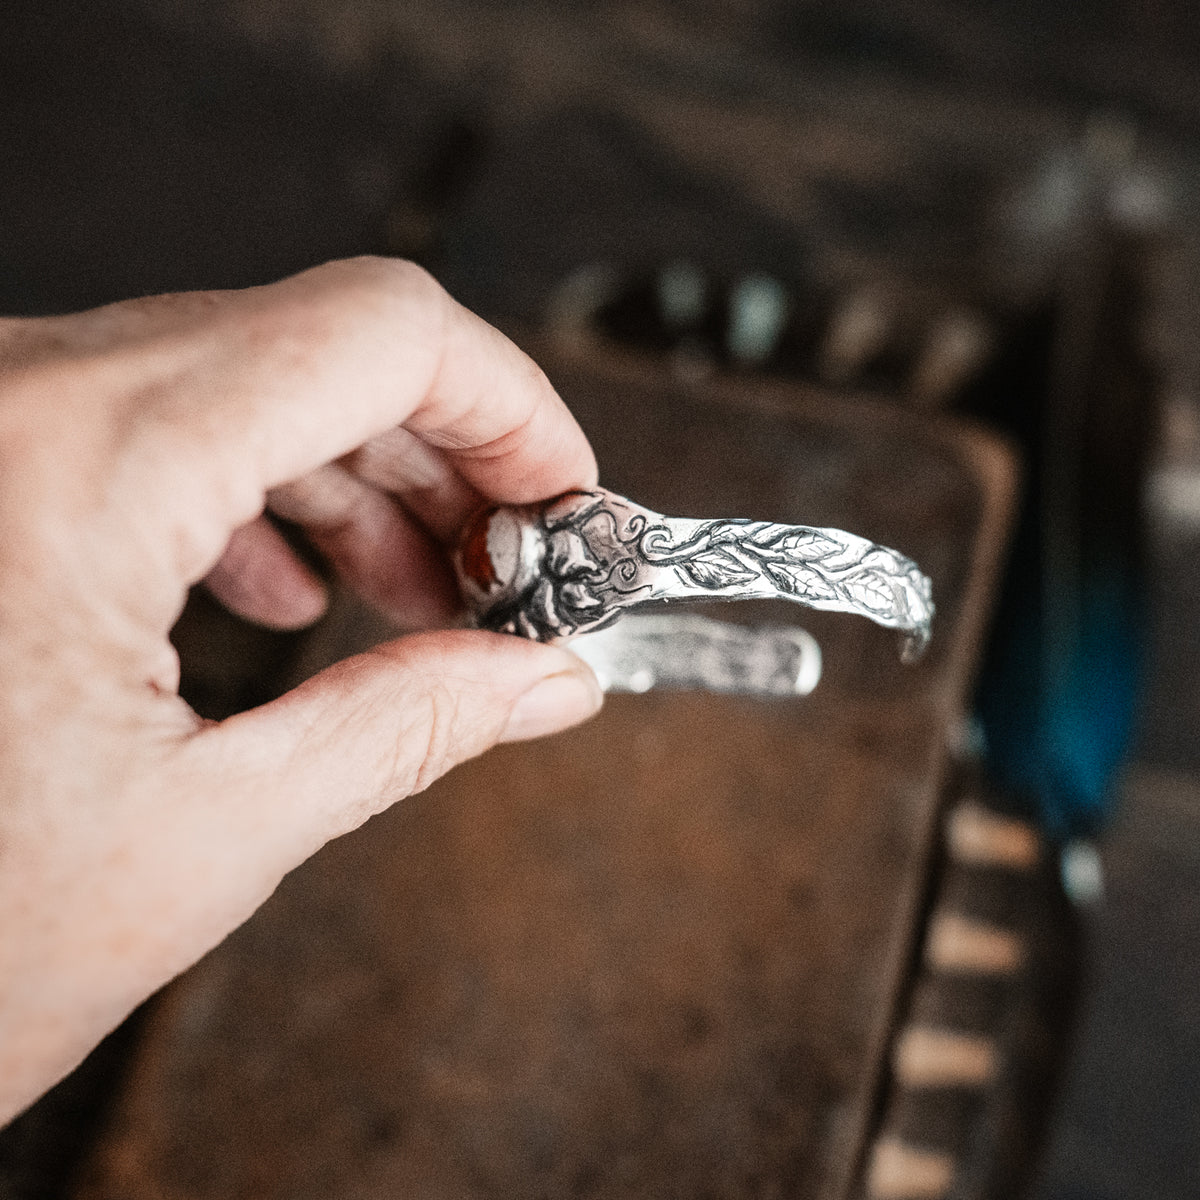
x: 556, y: 702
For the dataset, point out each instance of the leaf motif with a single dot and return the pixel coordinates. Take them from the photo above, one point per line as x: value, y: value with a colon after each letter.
x: 812, y: 545
x: 781, y: 578
x: 718, y: 555
x: 732, y: 533
x: 716, y: 568
x: 811, y: 584
x: 874, y: 591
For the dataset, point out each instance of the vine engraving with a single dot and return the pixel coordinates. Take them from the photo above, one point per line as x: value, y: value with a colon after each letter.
x: 598, y: 554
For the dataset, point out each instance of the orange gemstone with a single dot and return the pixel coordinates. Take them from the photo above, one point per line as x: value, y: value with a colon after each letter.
x: 477, y: 563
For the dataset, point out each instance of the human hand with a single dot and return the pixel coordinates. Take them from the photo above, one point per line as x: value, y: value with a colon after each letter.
x: 138, y: 445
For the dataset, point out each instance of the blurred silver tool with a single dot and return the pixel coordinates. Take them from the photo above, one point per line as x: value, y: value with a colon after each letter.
x: 686, y: 651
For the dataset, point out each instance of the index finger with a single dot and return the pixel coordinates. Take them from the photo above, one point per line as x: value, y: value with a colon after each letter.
x: 388, y: 346
x: 264, y: 385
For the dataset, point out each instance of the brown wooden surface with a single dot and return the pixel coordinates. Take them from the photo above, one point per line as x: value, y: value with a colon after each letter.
x: 657, y: 956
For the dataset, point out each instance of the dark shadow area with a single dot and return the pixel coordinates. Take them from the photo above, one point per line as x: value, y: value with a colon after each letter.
x: 136, y: 160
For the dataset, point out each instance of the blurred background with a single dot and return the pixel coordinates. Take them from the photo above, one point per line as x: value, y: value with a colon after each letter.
x: 978, y: 211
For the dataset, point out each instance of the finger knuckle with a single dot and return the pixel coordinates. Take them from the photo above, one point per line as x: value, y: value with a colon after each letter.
x: 383, y: 282
x: 356, y: 302
x: 437, y: 742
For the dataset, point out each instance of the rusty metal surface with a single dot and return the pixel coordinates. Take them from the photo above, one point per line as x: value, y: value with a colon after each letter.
x: 599, y: 965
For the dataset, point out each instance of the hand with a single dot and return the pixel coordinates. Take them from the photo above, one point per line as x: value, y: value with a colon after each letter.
x: 139, y: 444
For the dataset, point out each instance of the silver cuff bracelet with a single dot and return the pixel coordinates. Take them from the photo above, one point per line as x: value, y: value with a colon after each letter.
x: 574, y: 564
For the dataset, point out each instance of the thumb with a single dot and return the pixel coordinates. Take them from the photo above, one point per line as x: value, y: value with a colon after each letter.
x: 374, y: 728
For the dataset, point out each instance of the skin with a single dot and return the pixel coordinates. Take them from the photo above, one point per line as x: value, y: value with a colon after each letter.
x: 139, y: 446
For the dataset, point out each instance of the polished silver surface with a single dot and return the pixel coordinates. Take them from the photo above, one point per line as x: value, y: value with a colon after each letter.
x: 574, y: 564
x: 685, y: 651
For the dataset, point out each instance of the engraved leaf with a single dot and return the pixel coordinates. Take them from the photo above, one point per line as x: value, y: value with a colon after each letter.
x: 812, y: 545
x: 806, y: 582
x: 781, y: 578
x: 717, y: 568
x: 733, y: 533
x: 874, y: 591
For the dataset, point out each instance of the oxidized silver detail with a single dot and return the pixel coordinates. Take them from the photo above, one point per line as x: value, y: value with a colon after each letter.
x: 574, y: 564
